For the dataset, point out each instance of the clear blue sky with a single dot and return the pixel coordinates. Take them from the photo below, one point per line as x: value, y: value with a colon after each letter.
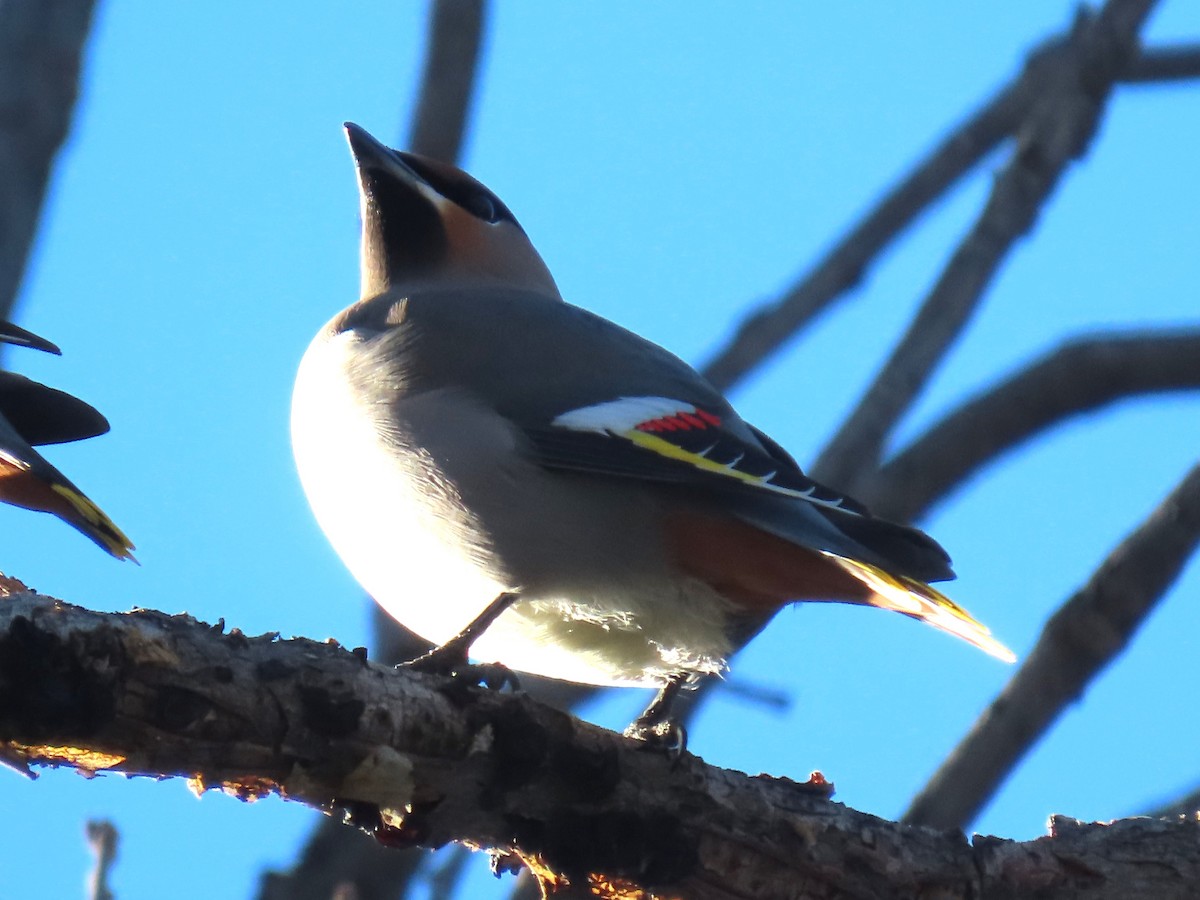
x: 673, y: 167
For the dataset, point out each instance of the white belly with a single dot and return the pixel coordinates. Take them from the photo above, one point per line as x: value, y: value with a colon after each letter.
x: 396, y: 522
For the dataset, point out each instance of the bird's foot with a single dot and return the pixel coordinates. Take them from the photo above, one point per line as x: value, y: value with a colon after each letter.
x: 668, y: 736
x: 450, y: 660
x: 657, y: 728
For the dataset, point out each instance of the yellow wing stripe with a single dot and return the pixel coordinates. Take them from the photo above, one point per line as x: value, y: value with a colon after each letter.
x: 665, y: 448
x: 102, y: 526
x: 639, y: 420
x: 919, y: 600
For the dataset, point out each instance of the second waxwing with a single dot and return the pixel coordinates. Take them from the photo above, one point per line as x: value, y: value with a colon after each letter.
x: 32, y: 415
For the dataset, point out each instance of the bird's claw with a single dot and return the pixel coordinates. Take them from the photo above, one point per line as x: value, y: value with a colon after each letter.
x: 493, y: 676
x: 667, y: 736
x: 450, y: 660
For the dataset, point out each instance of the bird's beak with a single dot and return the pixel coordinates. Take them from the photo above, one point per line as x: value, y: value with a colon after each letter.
x: 401, y: 222
x: 372, y: 158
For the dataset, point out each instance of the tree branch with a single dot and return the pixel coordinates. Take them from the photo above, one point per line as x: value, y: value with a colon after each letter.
x: 425, y: 760
x: 41, y: 51
x: 1075, y: 80
x: 1090, y: 629
x: 766, y: 329
x: 1079, y: 376
x: 448, y: 81
x: 335, y: 858
x: 102, y: 838
x: 1164, y: 64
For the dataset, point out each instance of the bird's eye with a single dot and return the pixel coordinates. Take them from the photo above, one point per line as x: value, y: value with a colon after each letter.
x: 458, y: 187
x: 481, y: 205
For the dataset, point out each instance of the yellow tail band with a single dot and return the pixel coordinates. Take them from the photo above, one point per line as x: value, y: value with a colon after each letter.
x: 919, y: 600
x: 101, y: 526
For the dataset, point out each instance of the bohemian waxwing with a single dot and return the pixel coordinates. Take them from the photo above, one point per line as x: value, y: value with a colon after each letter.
x: 32, y: 414
x: 479, y: 451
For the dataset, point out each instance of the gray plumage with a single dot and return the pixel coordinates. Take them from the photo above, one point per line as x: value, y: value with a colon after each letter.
x: 462, y: 432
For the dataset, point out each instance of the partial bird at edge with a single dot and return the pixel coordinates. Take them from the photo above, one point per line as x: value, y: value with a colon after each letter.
x: 33, y: 414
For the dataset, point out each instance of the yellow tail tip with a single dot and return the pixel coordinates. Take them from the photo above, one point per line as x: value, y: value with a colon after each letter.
x: 96, y: 525
x: 921, y: 601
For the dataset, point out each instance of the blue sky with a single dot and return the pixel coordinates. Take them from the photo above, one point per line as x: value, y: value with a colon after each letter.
x: 673, y: 168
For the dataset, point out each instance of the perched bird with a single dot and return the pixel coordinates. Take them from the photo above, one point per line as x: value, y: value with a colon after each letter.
x: 32, y: 414
x: 564, y: 496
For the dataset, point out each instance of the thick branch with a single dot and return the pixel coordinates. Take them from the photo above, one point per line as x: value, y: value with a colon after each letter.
x: 1164, y: 64
x: 1079, y: 640
x: 1080, y: 376
x: 1075, y: 80
x: 425, y: 761
x: 448, y: 80
x: 41, y: 49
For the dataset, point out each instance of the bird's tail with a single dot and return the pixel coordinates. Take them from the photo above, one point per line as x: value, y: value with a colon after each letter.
x: 92, y: 521
x: 920, y: 601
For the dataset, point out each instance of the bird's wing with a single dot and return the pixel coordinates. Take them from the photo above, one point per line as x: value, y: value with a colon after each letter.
x: 713, y: 452
x: 664, y: 439
x: 592, y: 397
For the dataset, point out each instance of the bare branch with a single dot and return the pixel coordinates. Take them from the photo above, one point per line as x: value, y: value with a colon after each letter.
x: 41, y: 49
x: 336, y: 858
x: 765, y: 330
x: 102, y: 838
x: 448, y: 81
x: 1164, y: 64
x: 1090, y: 629
x: 1080, y: 376
x: 1075, y: 79
x: 422, y: 761
x: 444, y: 882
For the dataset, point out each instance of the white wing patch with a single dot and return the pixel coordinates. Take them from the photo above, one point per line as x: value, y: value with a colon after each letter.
x: 621, y: 415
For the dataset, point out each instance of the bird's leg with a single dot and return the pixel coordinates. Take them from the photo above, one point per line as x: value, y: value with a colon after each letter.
x: 656, y: 726
x: 451, y: 657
